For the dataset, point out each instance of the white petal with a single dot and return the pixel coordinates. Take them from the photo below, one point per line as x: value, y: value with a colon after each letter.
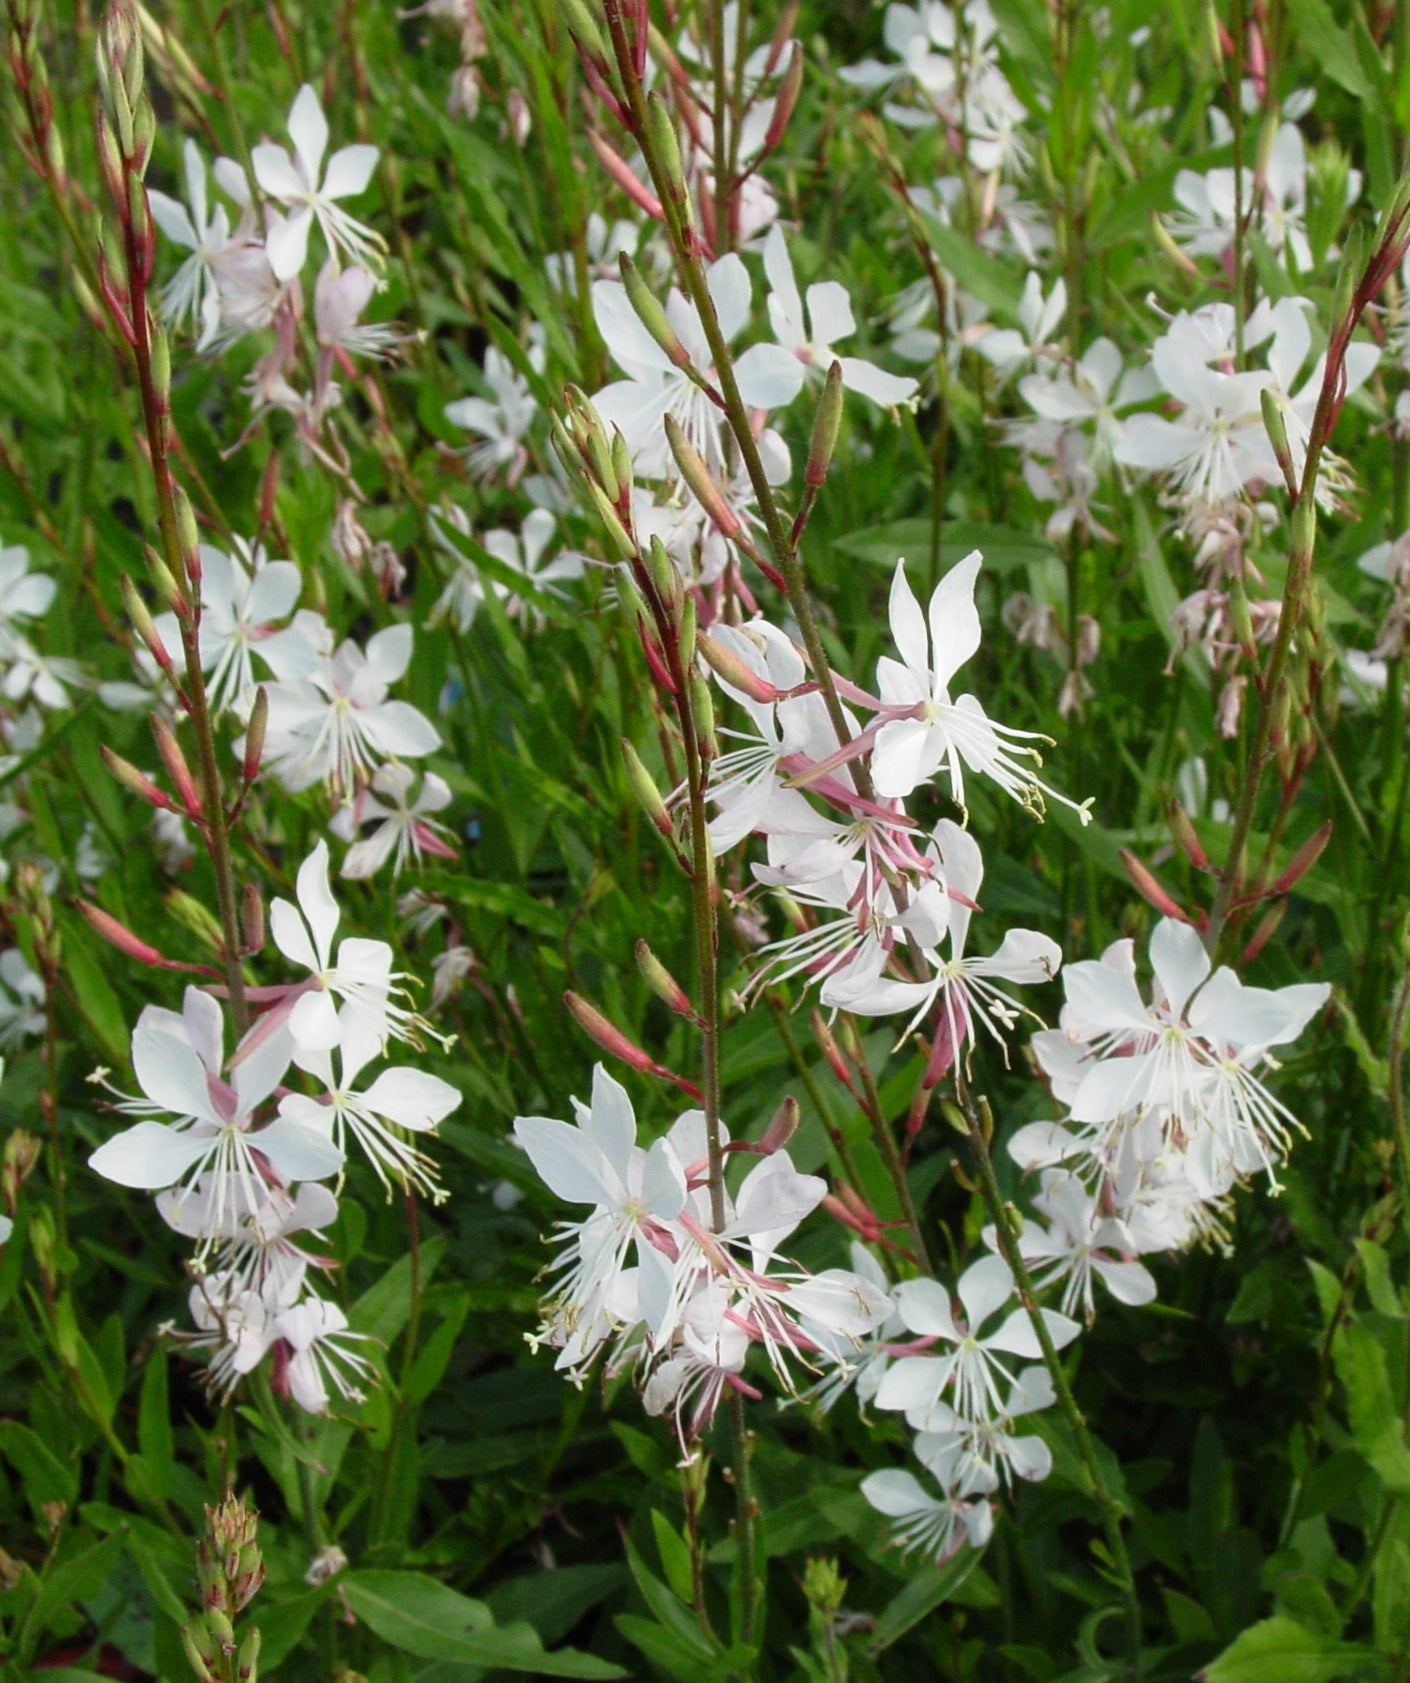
x: 308, y: 129
x: 412, y: 1098
x: 297, y: 1152
x: 768, y: 376
x: 349, y: 171
x: 149, y: 1156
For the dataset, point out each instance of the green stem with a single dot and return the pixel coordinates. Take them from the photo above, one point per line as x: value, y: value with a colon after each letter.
x: 1109, y: 1507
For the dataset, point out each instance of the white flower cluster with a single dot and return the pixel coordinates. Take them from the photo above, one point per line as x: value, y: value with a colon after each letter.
x: 236, y: 1153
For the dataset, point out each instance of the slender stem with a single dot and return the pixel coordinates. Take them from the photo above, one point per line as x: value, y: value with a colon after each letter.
x: 1110, y: 1508
x: 886, y: 1143
x: 1395, y: 1061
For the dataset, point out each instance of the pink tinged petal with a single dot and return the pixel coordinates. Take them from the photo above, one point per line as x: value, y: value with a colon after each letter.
x: 1029, y: 1457
x: 1105, y: 998
x: 308, y: 129
x: 830, y: 315
x: 662, y: 1183
x: 1179, y: 961
x: 1016, y: 1337
x: 296, y: 1152
x: 317, y: 904
x: 259, y: 1072
x: 275, y: 172
x: 170, y: 1073
x: 907, y: 752
x: 349, y: 172
x: 289, y: 933
x: 865, y: 378
x: 730, y: 291
x: 768, y: 376
x: 150, y: 1156
x: 908, y: 623
x: 411, y: 1098
x: 963, y: 861
x: 986, y: 1286
x: 568, y: 1164
x: 1024, y: 956
x: 897, y: 1493
x: 954, y: 619
x: 396, y: 727
x: 772, y: 1201
x: 785, y: 305
x: 313, y: 1022
x: 611, y: 1122
x: 389, y: 652
x: 632, y: 347
x: 841, y: 1302
x: 1128, y: 1282
x: 171, y: 217
x: 286, y: 244
x: 912, y: 1382
x: 924, y: 1306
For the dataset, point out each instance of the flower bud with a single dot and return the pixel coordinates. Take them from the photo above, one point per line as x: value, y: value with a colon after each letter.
x: 826, y: 424
x: 619, y: 540
x: 188, y: 533
x: 1186, y: 839
x: 221, y: 1630
x: 254, y: 736
x: 167, y: 586
x: 1276, y: 426
x: 604, y: 1033
x: 782, y: 1127
x: 665, y: 576
x: 1267, y: 926
x: 584, y: 31
x: 645, y: 790
x: 1149, y: 889
x: 664, y: 144
x: 136, y: 782
x: 786, y: 99
x: 663, y: 984
x: 200, y: 1652
x: 176, y: 768
x: 119, y: 935
x: 703, y: 710
x: 252, y: 919
x: 247, y: 1661
x: 1304, y: 859
x: 732, y: 671
x: 650, y: 313
x: 697, y: 477
x: 22, y: 1150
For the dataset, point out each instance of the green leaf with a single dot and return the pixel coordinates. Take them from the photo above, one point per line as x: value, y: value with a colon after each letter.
x: 1376, y: 1426
x: 930, y: 1587
x: 154, y: 1435
x: 1329, y: 46
x: 46, y: 1478
x: 102, y: 1009
x: 420, y: 1616
x: 1004, y: 548
x: 976, y: 271
x: 1279, y: 1651
x: 76, y: 1580
x: 555, y: 1600
x: 675, y: 1555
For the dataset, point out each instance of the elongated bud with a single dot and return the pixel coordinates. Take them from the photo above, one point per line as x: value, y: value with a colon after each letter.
x: 732, y: 671
x: 1304, y: 527
x: 663, y: 984
x: 668, y: 155
x: 645, y: 790
x: 621, y: 458
x: 197, y: 917
x: 221, y: 1630
x: 650, y: 313
x: 593, y: 444
x: 619, y: 540
x: 177, y: 769
x: 605, y: 1034
x: 136, y: 782
x: 1240, y: 619
x: 697, y: 476
x: 200, y: 1652
x: 782, y: 1127
x: 167, y: 585
x: 1353, y: 266
x: 1305, y: 858
x: 685, y: 627
x: 252, y: 920
x: 703, y: 709
x: 1169, y: 249
x: 247, y: 1661
x: 161, y: 364
x: 1186, y: 839
x: 826, y: 424
x: 620, y: 170
x: 786, y: 99
x: 665, y: 575
x: 584, y: 30
x: 119, y: 935
x: 1267, y: 926
x: 254, y: 736
x: 830, y: 1050
x: 187, y: 532
x: 1149, y: 889
x: 1277, y: 429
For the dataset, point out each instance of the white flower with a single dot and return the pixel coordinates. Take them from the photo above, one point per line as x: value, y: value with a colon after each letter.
x: 520, y: 551
x: 302, y: 183
x: 319, y: 1354
x: 926, y: 729
x: 941, y: 1526
x: 398, y: 1102
x: 405, y: 828
x: 1039, y: 320
x: 177, y: 1061
x: 808, y: 332
x: 971, y: 1370
x: 501, y: 420
x: 338, y: 722
x: 193, y: 290
x: 361, y: 977
x: 22, y: 995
